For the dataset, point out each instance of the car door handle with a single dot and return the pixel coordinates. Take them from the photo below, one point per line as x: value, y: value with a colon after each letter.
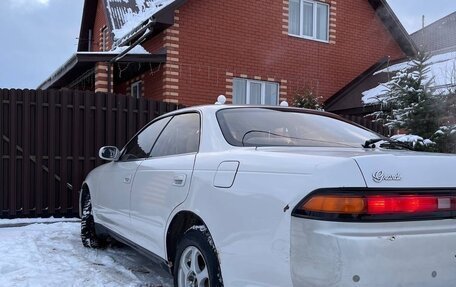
x: 179, y: 180
x: 127, y: 179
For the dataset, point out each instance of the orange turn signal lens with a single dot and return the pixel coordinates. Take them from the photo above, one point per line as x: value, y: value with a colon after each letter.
x: 335, y: 204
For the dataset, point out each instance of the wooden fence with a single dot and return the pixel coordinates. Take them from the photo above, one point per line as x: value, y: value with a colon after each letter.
x: 368, y: 123
x: 49, y: 141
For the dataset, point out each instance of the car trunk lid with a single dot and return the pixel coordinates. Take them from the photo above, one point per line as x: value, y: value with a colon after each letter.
x: 403, y: 170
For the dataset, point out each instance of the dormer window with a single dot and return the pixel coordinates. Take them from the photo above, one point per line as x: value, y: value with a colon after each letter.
x: 309, y: 19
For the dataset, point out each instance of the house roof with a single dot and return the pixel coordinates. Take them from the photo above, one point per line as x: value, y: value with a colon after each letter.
x: 392, y: 23
x: 438, y: 35
x: 369, y: 88
x: 81, y: 62
x: 348, y: 98
x: 440, y: 73
x: 128, y: 19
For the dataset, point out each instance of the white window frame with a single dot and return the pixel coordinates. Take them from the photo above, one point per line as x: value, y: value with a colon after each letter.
x: 104, y: 39
x: 263, y: 90
x: 138, y: 85
x: 301, y: 21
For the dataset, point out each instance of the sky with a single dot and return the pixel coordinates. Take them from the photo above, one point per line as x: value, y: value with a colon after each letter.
x: 38, y: 36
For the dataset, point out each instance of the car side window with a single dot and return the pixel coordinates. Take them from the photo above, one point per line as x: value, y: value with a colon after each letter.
x: 140, y: 146
x: 181, y: 136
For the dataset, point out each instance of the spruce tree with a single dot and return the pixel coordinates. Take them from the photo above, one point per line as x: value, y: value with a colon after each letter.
x: 409, y: 104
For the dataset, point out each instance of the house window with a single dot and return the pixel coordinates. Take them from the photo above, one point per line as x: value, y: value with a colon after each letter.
x: 136, y: 88
x: 104, y: 39
x: 309, y: 19
x: 255, y: 92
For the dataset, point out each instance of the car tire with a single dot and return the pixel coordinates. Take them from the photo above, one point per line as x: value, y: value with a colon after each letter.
x: 88, y: 235
x: 196, y: 261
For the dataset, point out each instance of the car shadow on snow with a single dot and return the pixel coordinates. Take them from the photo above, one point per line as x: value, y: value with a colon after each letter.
x: 52, y: 254
x: 146, y: 270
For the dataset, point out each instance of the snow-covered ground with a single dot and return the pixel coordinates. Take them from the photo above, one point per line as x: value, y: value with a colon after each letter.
x: 52, y: 254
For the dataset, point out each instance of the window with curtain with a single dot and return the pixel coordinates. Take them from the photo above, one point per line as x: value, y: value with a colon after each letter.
x: 308, y: 19
x: 254, y: 92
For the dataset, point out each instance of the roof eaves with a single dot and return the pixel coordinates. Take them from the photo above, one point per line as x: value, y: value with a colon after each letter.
x: 392, y: 23
x: 68, y: 65
x: 88, y: 18
x: 94, y: 57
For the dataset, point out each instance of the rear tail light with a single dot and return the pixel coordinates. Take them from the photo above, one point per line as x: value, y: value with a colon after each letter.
x: 377, y: 206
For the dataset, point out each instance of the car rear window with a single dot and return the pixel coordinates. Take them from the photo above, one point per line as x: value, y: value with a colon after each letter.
x: 288, y: 127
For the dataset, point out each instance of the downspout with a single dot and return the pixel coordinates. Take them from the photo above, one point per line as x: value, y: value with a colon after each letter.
x: 122, y: 54
x: 90, y: 41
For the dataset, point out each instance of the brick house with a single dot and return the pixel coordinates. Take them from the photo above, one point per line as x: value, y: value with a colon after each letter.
x: 191, y: 51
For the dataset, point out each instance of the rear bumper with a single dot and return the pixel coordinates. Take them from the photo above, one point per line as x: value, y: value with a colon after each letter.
x: 417, y: 253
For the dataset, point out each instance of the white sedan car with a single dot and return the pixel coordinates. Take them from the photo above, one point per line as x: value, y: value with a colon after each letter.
x: 271, y: 196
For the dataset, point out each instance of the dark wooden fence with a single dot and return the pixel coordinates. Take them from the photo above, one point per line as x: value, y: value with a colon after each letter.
x: 50, y: 141
x: 368, y: 123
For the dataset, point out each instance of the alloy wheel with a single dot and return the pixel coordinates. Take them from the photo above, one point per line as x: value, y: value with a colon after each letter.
x: 193, y: 269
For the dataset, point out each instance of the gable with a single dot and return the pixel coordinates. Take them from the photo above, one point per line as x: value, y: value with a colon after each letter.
x: 88, y: 18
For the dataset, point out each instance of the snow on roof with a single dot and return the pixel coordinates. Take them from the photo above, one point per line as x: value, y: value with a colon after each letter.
x: 127, y: 15
x: 136, y: 50
x: 442, y: 68
x: 374, y: 95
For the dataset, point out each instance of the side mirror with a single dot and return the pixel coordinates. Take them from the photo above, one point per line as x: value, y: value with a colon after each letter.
x: 109, y: 153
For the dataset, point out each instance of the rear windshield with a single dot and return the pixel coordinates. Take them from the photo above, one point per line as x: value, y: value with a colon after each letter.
x: 275, y: 127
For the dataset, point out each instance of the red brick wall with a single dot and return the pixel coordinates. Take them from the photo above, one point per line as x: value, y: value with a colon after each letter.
x: 152, y: 79
x: 220, y: 39
x: 213, y: 41
x: 100, y: 23
x: 155, y: 43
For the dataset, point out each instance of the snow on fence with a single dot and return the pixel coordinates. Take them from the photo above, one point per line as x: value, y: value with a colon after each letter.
x: 49, y: 141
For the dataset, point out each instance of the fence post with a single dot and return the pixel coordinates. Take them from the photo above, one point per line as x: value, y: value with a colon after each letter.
x: 110, y: 133
x: 3, y: 120
x: 99, y: 130
x: 26, y: 162
x: 87, y: 126
x: 76, y: 146
x: 51, y: 150
x: 64, y: 152
x: 13, y: 151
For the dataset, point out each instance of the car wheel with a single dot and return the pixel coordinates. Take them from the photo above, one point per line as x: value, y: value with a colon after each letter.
x: 196, y: 263
x: 88, y: 235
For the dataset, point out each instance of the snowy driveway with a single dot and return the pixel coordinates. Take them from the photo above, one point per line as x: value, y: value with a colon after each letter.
x: 53, y: 255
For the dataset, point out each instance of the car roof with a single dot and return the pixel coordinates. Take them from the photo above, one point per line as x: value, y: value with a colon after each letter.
x: 214, y: 108
x: 217, y: 107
